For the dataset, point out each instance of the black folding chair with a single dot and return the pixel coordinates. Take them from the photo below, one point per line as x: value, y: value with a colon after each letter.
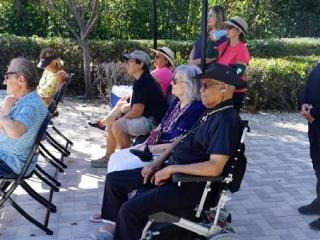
x: 10, y: 183
x: 55, y: 161
x: 52, y: 108
x: 211, y: 220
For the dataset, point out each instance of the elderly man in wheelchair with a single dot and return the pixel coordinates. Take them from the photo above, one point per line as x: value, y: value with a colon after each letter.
x: 181, y: 177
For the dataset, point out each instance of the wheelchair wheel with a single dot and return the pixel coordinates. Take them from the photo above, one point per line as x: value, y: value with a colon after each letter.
x: 225, y: 236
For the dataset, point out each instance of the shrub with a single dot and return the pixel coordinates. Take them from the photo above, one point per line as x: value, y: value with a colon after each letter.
x: 275, y: 74
x: 277, y: 83
x: 109, y: 74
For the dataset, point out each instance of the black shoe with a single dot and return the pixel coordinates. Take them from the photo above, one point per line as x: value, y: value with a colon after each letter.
x: 315, y: 225
x: 310, y: 209
x: 97, y: 125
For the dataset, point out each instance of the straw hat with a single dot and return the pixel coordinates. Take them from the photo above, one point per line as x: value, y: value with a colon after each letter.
x: 167, y: 53
x: 238, y: 23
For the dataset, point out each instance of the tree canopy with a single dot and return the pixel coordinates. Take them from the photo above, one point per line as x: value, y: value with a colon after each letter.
x: 177, y: 19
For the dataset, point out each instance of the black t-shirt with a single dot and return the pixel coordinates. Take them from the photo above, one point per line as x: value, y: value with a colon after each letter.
x: 220, y: 134
x: 147, y: 91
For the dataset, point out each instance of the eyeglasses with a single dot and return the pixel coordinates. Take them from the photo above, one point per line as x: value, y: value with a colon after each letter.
x: 175, y: 81
x: 211, y: 14
x: 7, y: 74
x: 205, y: 86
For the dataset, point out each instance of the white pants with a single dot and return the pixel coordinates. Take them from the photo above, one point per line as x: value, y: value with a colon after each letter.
x: 124, y: 160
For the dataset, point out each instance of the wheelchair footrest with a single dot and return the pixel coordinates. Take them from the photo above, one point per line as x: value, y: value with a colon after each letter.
x: 162, y: 217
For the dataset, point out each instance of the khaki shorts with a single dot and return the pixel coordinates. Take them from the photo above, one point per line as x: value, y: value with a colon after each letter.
x: 136, y: 127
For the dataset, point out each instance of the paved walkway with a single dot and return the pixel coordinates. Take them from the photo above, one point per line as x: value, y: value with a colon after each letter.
x: 279, y: 178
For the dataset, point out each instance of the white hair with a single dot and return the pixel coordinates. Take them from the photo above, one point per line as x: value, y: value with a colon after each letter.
x: 187, y: 73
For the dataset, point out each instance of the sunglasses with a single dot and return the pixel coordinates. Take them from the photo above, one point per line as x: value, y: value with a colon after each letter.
x: 175, y: 81
x: 206, y: 86
x: 7, y: 74
x: 229, y: 27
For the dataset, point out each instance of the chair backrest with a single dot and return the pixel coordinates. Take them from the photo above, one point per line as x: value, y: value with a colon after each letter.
x: 236, y: 168
x: 27, y: 164
x: 58, y: 95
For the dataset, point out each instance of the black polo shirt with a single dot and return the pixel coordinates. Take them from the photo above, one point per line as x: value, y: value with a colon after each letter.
x: 147, y: 91
x: 220, y: 134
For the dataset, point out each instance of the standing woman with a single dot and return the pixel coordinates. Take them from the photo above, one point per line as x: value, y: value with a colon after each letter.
x: 53, y: 75
x: 235, y: 53
x: 216, y: 36
x: 164, y: 67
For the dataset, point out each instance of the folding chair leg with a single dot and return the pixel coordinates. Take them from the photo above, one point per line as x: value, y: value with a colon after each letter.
x: 69, y: 142
x: 29, y: 218
x: 57, y: 145
x: 38, y: 197
x: 39, y: 170
x: 60, y: 162
x: 55, y: 162
x: 46, y: 181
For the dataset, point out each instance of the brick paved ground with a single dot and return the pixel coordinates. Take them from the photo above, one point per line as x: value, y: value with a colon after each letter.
x: 279, y: 178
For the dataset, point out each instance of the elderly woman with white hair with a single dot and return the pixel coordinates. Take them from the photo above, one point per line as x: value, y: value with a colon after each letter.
x: 185, y: 110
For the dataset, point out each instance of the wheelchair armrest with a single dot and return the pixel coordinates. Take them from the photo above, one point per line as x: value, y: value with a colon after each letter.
x: 180, y: 177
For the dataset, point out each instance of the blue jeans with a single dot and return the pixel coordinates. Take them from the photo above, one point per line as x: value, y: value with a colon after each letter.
x: 5, y: 170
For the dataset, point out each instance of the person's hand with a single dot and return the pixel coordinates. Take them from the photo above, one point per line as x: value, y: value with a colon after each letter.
x: 125, y: 98
x: 149, y: 170
x: 308, y: 115
x: 162, y: 176
x: 9, y: 102
x: 304, y: 108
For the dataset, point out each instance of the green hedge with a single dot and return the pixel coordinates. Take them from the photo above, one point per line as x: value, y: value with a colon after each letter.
x: 275, y: 74
x: 277, y: 83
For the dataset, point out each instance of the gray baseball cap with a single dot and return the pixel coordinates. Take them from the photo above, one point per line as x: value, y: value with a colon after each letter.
x: 140, y: 55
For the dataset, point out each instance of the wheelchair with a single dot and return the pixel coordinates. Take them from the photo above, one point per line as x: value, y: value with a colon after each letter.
x: 211, y: 220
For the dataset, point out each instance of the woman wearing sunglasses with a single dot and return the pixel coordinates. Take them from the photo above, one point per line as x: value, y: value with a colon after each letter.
x: 235, y: 53
x: 179, y: 119
x: 216, y: 36
x: 164, y: 66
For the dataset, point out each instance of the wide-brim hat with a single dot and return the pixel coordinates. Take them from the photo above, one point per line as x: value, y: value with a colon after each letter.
x: 223, y: 73
x: 44, y: 62
x: 139, y: 55
x: 167, y: 53
x: 238, y: 23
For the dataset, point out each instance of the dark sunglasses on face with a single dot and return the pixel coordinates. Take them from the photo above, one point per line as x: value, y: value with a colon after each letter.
x: 7, y: 74
x: 229, y: 27
x: 208, y: 85
x: 175, y: 81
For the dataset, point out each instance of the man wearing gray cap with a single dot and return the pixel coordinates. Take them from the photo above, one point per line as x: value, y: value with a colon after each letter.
x: 145, y: 111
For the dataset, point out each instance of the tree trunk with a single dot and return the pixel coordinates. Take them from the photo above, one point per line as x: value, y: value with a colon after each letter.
x: 86, y: 69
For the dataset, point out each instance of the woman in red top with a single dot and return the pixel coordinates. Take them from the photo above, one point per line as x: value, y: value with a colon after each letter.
x: 235, y: 53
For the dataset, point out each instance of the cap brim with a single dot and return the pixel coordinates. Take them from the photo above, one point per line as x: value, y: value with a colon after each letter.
x: 167, y: 57
x: 42, y: 65
x: 232, y: 24
x: 237, y: 82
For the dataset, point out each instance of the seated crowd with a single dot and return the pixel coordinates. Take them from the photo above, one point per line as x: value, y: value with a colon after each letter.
x: 196, y: 133
x: 193, y: 137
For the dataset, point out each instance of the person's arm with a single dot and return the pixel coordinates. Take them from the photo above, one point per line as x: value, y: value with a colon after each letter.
x: 150, y: 169
x: 135, y: 111
x: 60, y: 79
x: 315, y: 111
x: 191, y: 54
x: 159, y: 148
x: 211, y: 168
x: 14, y: 129
x: 9, y: 102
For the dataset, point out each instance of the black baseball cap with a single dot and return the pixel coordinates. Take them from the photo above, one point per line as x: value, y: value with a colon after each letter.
x: 224, y: 74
